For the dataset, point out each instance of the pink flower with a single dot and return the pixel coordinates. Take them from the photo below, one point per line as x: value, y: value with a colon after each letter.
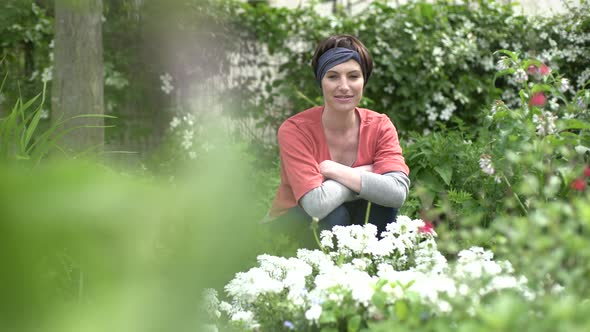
x: 427, y: 228
x: 579, y: 184
x: 538, y: 99
x: 587, y: 171
x: 544, y: 70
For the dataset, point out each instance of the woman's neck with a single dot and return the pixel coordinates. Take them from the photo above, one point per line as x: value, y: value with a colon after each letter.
x: 339, y: 121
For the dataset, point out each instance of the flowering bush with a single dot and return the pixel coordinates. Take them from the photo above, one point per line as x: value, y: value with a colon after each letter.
x: 358, y: 279
x: 519, y: 182
x: 434, y: 61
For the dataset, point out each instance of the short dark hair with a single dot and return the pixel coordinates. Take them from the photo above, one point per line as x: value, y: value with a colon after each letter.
x: 346, y: 41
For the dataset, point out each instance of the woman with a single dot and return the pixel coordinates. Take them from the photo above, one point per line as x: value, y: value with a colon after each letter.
x: 337, y: 157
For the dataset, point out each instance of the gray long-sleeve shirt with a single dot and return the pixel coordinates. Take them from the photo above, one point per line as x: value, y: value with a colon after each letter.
x: 389, y: 189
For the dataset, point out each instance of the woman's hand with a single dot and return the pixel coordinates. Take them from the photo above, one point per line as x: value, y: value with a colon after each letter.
x: 328, y: 168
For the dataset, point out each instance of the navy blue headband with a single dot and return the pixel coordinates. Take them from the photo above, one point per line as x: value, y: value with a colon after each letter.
x: 334, y: 57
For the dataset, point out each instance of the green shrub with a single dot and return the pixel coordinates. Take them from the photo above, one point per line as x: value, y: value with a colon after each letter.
x: 433, y: 61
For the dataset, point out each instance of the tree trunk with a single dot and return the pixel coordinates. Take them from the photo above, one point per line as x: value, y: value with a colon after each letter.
x: 77, y: 86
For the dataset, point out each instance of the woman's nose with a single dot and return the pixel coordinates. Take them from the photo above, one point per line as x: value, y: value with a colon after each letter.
x: 343, y: 84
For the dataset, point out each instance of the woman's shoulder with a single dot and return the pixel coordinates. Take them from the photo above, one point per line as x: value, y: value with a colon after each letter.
x: 370, y: 116
x: 311, y: 116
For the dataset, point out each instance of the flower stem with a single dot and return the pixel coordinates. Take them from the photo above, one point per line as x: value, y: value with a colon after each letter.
x: 314, y: 227
x: 520, y: 204
x: 367, y: 213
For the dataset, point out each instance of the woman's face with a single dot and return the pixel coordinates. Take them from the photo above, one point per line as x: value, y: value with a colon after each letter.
x: 342, y: 86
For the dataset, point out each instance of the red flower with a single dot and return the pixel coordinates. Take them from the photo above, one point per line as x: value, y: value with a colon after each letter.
x: 544, y: 70
x: 427, y: 228
x: 538, y: 99
x: 587, y: 171
x: 579, y: 184
x: 532, y: 70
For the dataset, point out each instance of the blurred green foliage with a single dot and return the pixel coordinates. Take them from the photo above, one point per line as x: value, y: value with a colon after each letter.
x: 86, y: 247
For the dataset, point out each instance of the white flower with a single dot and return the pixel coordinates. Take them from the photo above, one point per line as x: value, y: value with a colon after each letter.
x: 189, y: 119
x: 225, y: 307
x: 167, y: 86
x: 314, y: 258
x: 503, y: 63
x: 47, y: 74
x: 564, y: 85
x: 314, y: 313
x: 438, y: 97
x: 545, y: 123
x: 485, y: 163
x: 247, y: 286
x: 247, y: 317
x: 34, y: 75
x: 447, y: 112
x: 553, y: 104
x: 174, y: 123
x: 187, y: 139
x: 432, y: 113
x: 520, y: 76
x: 326, y: 239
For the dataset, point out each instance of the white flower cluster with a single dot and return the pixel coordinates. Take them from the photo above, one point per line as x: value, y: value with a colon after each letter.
x: 449, y: 106
x: 520, y: 76
x: 186, y: 131
x: 355, y: 265
x: 167, y: 86
x: 485, y: 163
x: 504, y: 63
x: 545, y: 123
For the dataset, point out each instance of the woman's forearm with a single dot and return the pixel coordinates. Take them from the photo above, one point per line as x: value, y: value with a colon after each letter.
x: 319, y: 202
x: 389, y: 189
x: 348, y: 176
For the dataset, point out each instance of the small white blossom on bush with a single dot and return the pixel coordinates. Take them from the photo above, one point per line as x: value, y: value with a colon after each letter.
x: 564, y: 85
x: 47, y: 74
x: 520, y: 76
x: 167, y: 86
x: 175, y: 122
x: 545, y: 123
x: 485, y: 163
x: 504, y: 63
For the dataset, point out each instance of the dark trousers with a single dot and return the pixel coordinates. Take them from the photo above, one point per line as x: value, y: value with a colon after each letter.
x: 296, y: 223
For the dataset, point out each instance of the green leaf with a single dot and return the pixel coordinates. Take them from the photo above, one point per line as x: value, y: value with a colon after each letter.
x: 379, y: 299
x: 401, y: 310
x: 512, y: 55
x: 328, y: 317
x: 445, y: 172
x: 354, y: 323
x: 574, y: 124
x: 35, y: 121
x: 541, y: 87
